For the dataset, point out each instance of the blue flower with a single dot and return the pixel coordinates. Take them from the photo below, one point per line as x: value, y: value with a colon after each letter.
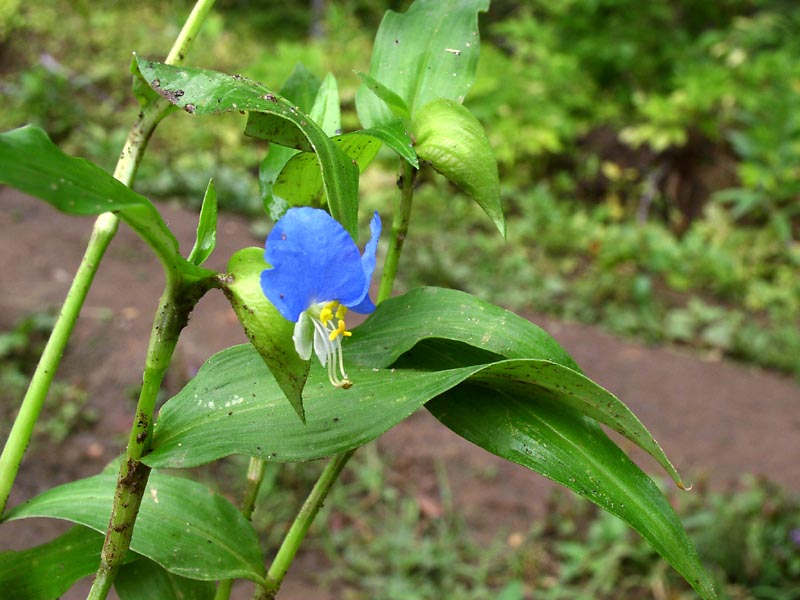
x: 318, y: 274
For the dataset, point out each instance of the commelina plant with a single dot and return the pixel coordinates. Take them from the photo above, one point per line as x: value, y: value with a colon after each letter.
x: 488, y: 375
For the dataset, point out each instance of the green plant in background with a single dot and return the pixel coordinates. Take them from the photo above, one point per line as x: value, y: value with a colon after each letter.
x: 485, y: 373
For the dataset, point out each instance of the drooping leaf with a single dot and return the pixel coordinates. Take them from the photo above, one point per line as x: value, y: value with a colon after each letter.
x: 182, y: 525
x: 535, y: 429
x: 268, y: 331
x: 49, y: 570
x: 429, y: 52
x: 453, y: 141
x: 30, y: 162
x: 206, y: 239
x: 539, y: 411
x: 145, y: 580
x: 270, y: 117
x: 233, y: 407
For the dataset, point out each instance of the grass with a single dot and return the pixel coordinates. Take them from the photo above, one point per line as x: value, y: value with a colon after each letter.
x: 373, y: 539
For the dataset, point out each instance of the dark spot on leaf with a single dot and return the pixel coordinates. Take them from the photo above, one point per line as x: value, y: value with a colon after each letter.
x: 190, y: 108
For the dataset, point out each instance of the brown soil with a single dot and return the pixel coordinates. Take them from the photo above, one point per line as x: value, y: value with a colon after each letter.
x: 716, y: 420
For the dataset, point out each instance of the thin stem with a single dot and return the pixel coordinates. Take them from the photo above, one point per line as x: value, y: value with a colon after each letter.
x: 22, y: 429
x: 309, y: 510
x: 294, y: 537
x: 171, y: 318
x: 105, y: 228
x: 255, y: 475
x: 400, y: 221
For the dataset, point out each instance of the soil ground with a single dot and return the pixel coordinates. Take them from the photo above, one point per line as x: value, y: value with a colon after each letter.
x: 715, y: 419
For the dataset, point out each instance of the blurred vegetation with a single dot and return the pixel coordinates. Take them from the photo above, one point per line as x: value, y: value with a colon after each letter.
x: 374, y: 539
x: 65, y: 409
x: 650, y: 152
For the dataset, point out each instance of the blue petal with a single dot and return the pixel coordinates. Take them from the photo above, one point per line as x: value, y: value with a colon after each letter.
x: 314, y: 260
x: 368, y: 260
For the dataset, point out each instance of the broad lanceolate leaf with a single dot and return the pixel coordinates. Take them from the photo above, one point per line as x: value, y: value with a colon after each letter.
x: 206, y: 238
x: 430, y: 312
x: 453, y: 141
x: 269, y: 332
x: 429, y: 52
x: 30, y: 162
x: 48, y: 571
x: 397, y: 326
x: 145, y: 580
x: 233, y: 406
x: 534, y: 428
x: 182, y: 525
x: 400, y: 323
x: 537, y: 411
x: 271, y: 117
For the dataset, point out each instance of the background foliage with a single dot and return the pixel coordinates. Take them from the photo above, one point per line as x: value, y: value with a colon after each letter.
x: 651, y: 181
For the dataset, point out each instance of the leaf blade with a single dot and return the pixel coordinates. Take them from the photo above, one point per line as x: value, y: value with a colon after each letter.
x: 30, y: 162
x: 271, y: 117
x: 210, y: 540
x: 428, y: 52
x: 551, y: 439
x: 453, y: 141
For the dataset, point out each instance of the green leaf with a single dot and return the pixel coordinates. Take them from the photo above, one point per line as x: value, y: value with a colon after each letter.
x: 535, y: 429
x: 326, y: 110
x: 144, y: 580
x: 301, y: 87
x: 49, y: 570
x: 30, y: 162
x: 182, y: 525
x: 271, y: 117
x: 536, y: 411
x: 453, y: 141
x: 266, y: 328
x: 206, y: 239
x: 401, y: 322
x: 429, y: 52
x: 395, y: 103
x: 268, y: 172
x: 396, y: 136
x: 233, y: 406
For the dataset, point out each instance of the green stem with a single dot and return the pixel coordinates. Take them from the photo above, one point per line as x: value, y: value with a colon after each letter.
x: 400, y: 221
x: 255, y: 475
x: 105, y: 228
x: 171, y: 318
x: 294, y: 537
x: 309, y: 510
x: 22, y: 429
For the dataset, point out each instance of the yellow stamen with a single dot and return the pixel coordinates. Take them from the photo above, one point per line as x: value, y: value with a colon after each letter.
x: 340, y: 330
x: 341, y: 311
x: 326, y: 314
